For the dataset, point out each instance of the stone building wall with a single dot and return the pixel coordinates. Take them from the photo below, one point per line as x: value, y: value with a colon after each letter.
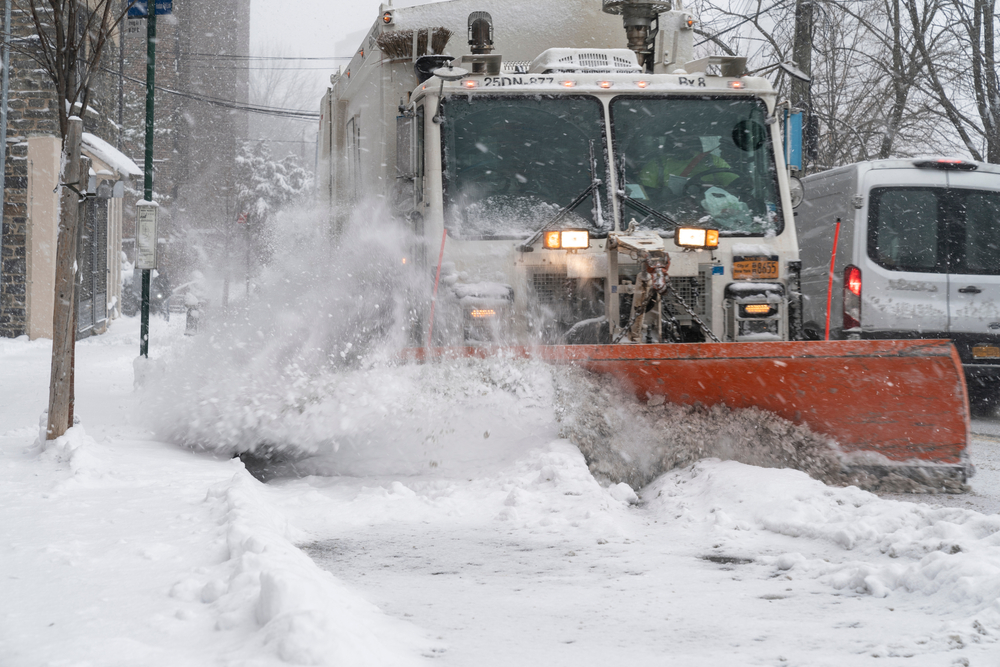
x: 31, y: 112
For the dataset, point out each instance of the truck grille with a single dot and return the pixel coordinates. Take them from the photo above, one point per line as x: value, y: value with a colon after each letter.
x: 551, y: 287
x: 692, y: 290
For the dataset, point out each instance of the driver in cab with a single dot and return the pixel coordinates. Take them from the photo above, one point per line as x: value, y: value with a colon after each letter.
x: 684, y: 160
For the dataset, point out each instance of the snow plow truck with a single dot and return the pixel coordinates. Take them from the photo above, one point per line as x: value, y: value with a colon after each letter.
x: 585, y: 196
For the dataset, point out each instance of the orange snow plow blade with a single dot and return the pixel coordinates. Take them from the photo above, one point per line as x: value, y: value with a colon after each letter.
x: 902, y: 399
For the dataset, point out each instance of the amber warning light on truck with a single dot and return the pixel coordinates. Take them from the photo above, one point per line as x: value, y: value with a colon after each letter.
x: 568, y: 239
x: 695, y: 237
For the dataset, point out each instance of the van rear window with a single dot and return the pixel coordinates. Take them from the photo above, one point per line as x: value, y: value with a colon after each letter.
x: 935, y: 230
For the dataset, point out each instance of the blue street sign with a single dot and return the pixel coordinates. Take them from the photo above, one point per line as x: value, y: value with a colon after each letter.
x: 139, y: 10
x: 793, y: 139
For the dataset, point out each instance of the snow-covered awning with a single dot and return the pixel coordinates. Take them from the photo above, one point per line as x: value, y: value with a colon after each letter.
x: 110, y: 155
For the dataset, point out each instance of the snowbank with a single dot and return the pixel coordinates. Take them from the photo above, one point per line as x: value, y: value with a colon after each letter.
x: 877, y: 547
x: 224, y: 573
x: 305, y: 615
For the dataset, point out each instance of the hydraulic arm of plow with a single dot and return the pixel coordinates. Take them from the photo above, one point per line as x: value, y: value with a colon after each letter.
x: 652, y: 282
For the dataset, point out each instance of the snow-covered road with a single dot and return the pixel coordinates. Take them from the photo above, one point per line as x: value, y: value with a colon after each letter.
x: 118, y: 549
x: 719, y: 564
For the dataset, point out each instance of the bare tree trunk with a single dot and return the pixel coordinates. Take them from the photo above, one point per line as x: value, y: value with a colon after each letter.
x: 63, y: 313
x: 921, y: 27
x: 985, y: 80
x: 900, y: 83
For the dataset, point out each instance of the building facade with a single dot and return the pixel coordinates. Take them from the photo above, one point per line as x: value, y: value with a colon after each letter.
x: 198, y: 130
x: 31, y: 199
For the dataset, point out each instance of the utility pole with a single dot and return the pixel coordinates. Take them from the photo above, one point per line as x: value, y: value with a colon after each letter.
x: 801, y: 96
x: 148, y: 164
x: 121, y: 81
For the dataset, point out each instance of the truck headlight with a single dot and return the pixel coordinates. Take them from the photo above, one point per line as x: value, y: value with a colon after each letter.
x: 696, y: 237
x: 567, y: 239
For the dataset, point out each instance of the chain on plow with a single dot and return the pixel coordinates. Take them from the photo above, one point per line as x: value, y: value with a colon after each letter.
x: 694, y: 316
x: 669, y: 289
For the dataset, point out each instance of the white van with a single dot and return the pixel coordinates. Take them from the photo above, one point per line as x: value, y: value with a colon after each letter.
x: 918, y: 256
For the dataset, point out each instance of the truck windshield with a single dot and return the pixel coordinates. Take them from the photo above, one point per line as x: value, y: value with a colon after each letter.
x: 699, y: 161
x: 512, y: 163
x: 935, y: 230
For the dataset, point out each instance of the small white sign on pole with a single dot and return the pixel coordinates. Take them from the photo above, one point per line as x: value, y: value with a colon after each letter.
x: 145, y: 234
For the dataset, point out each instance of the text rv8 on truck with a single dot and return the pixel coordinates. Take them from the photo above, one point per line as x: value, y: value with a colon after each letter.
x: 595, y: 205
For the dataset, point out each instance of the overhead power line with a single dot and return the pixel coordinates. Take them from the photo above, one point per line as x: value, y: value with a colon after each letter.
x: 257, y: 69
x: 294, y: 114
x: 297, y: 114
x: 219, y: 56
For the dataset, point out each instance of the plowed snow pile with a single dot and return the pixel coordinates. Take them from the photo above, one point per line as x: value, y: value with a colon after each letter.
x: 627, y: 441
x: 407, y: 419
x: 307, y: 377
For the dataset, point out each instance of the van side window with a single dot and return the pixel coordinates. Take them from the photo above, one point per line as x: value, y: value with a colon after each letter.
x: 981, y: 239
x: 904, y: 229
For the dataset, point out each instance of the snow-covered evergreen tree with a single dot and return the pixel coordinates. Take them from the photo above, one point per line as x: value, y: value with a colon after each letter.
x: 264, y: 186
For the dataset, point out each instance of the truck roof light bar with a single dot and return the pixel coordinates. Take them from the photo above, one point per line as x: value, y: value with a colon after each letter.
x: 946, y: 164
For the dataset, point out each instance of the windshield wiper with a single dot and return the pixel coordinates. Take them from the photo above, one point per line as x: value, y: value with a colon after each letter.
x: 561, y: 214
x: 638, y: 205
x: 646, y: 210
x: 595, y: 183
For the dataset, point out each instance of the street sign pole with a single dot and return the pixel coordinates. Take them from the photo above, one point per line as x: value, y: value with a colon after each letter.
x: 148, y: 168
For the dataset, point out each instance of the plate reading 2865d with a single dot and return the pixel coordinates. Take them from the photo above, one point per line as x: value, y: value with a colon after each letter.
x: 755, y: 267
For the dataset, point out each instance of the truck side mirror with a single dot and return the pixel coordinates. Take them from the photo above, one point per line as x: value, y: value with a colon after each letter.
x: 796, y: 191
x: 406, y: 147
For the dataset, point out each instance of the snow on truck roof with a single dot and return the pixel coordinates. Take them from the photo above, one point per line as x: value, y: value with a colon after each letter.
x: 519, y: 35
x: 619, y: 61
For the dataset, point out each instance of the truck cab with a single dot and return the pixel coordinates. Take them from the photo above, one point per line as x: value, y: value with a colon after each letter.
x: 499, y: 161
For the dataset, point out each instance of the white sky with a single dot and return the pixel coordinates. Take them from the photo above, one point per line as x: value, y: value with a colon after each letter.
x: 310, y: 29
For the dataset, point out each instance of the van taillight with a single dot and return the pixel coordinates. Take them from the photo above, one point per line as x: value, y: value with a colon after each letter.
x: 852, y: 298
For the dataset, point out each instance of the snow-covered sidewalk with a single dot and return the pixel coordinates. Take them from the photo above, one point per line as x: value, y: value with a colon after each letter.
x: 118, y: 549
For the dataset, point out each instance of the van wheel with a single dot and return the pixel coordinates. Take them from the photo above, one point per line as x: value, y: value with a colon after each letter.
x: 812, y: 331
x: 984, y: 397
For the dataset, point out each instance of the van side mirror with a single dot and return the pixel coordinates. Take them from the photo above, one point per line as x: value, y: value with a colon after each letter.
x: 796, y: 190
